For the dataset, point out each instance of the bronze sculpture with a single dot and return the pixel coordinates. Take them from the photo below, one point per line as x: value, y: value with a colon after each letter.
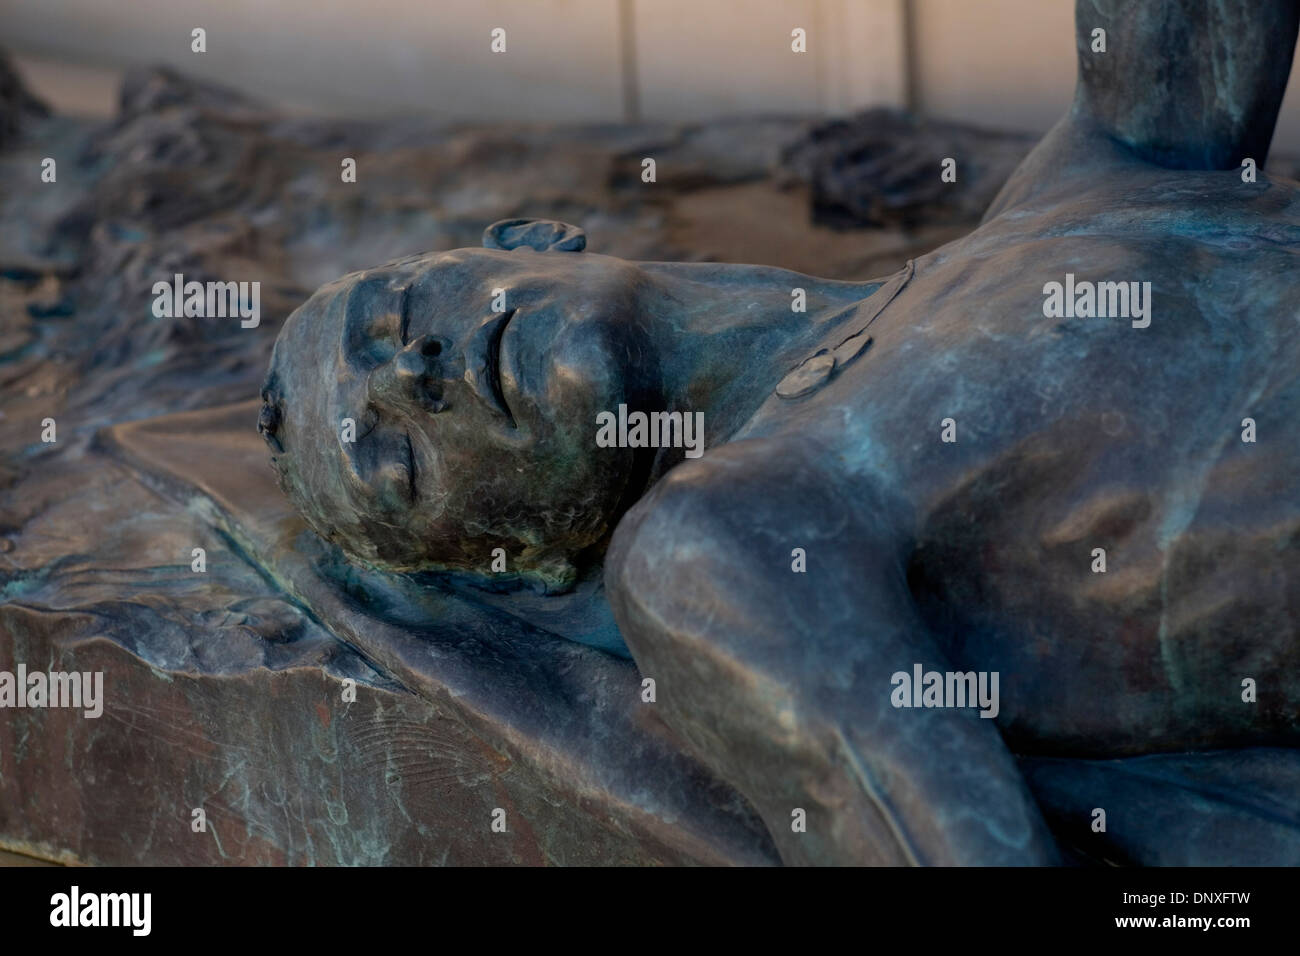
x: 946, y: 451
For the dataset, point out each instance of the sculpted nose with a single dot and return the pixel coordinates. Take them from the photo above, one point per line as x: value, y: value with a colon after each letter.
x: 413, y: 378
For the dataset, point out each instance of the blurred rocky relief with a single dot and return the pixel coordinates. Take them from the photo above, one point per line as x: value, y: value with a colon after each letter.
x: 192, y: 178
x: 196, y: 179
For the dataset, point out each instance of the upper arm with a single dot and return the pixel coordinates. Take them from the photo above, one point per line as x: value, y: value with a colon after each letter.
x: 756, y: 543
x: 783, y: 677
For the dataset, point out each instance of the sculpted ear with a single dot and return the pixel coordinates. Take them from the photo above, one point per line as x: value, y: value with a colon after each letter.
x: 540, y: 234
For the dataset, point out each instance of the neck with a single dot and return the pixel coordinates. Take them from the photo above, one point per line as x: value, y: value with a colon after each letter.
x: 727, y: 334
x: 1187, y: 84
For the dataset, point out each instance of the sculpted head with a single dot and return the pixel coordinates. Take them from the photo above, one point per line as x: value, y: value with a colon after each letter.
x: 424, y: 413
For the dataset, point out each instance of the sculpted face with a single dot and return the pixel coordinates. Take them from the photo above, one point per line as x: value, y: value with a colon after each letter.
x: 474, y: 428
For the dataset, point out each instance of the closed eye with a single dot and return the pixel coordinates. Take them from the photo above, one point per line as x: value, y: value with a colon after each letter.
x: 369, y: 421
x: 384, y: 465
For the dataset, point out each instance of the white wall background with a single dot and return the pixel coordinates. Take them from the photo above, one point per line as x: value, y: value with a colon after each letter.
x: 1000, y: 63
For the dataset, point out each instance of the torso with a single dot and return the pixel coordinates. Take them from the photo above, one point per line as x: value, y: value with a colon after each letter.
x: 1082, y: 433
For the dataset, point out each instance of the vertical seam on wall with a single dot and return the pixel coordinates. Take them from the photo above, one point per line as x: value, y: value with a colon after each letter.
x: 627, y: 58
x: 911, y: 68
x: 820, y: 36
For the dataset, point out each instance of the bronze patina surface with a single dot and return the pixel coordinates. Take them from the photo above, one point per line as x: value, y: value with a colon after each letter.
x: 947, y: 489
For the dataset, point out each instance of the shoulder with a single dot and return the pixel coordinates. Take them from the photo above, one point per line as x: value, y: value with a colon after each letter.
x: 732, y: 519
x: 700, y: 506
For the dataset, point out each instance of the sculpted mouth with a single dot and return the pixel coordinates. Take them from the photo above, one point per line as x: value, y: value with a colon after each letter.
x: 484, y: 374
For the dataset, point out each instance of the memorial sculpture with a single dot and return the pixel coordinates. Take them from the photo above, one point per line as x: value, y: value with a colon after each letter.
x: 387, y: 720
x: 1032, y: 494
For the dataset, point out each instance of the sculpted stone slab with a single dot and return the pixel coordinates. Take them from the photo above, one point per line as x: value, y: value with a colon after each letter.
x: 225, y: 692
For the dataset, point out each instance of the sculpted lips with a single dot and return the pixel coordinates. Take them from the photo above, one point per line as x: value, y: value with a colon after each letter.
x: 483, y: 364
